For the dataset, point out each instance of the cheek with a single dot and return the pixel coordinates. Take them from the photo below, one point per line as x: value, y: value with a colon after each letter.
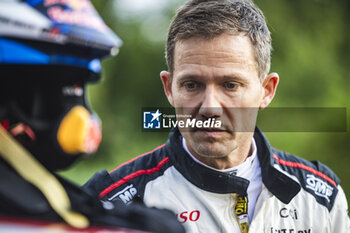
x: 178, y: 100
x: 240, y: 119
x: 252, y: 96
x: 185, y: 99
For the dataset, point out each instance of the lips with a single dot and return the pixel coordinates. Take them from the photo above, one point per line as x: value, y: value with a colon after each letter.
x: 211, y: 130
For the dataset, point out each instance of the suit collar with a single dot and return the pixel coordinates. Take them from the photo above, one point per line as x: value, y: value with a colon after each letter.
x: 278, y: 183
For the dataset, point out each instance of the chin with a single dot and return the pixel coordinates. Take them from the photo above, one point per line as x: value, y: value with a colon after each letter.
x: 210, y: 150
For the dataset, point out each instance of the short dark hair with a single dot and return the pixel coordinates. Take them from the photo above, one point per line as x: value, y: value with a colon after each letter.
x: 211, y: 18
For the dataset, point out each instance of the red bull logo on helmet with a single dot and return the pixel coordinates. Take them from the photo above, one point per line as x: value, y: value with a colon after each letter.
x: 76, y: 12
x: 74, y: 4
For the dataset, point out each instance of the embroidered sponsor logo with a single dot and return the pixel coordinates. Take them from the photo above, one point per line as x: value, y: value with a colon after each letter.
x: 241, y: 207
x: 291, y: 230
x: 319, y: 187
x: 185, y: 216
x: 288, y: 213
x: 126, y: 195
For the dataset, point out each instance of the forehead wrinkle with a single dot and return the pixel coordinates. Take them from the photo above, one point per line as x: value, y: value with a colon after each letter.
x: 217, y: 57
x: 197, y: 76
x: 234, y: 66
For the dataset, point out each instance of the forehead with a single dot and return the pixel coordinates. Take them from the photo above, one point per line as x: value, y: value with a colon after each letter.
x: 225, y: 53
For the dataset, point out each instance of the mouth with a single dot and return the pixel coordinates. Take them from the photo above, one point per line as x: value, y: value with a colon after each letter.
x: 211, y: 129
x: 211, y: 132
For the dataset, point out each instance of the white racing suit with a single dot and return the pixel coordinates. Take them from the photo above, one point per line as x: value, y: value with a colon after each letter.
x: 297, y: 196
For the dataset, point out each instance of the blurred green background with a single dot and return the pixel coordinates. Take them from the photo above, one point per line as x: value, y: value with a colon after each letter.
x: 311, y: 54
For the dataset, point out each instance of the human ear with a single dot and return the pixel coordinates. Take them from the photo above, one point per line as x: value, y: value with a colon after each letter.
x: 269, y: 85
x: 166, y: 80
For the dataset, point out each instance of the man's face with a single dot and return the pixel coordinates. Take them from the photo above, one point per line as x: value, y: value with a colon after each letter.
x: 216, y: 78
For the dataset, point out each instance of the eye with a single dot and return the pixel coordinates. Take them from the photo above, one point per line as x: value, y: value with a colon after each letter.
x: 190, y: 85
x: 230, y: 85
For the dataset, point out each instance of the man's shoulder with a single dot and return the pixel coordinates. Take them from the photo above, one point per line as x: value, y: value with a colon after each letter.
x: 129, y: 179
x: 314, y: 177
x: 146, y: 165
x: 147, y: 160
x: 299, y: 167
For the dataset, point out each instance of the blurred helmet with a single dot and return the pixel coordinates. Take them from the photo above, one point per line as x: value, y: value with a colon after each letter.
x: 49, y: 50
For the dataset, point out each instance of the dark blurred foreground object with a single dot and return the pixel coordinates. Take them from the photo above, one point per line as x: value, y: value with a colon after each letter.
x: 49, y: 51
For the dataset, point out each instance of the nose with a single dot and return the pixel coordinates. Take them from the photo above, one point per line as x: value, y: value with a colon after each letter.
x: 211, y: 106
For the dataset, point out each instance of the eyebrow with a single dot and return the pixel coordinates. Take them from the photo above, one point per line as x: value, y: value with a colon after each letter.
x: 188, y: 77
x: 235, y: 76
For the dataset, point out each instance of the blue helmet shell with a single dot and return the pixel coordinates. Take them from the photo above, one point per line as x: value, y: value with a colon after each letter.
x: 54, y: 32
